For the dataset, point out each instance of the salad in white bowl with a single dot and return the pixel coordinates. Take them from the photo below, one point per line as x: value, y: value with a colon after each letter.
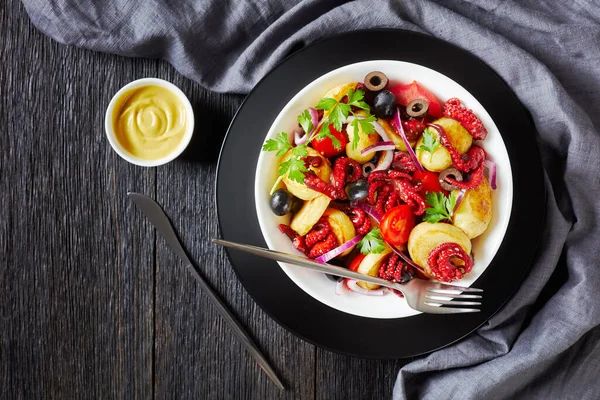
x: 389, y: 169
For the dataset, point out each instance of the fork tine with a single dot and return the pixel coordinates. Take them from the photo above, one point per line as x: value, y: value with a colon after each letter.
x: 450, y: 292
x: 453, y: 303
x: 453, y: 296
x: 445, y: 286
x: 446, y: 310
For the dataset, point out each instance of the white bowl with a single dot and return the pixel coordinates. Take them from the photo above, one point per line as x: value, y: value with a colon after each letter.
x: 116, y: 145
x: 315, y: 283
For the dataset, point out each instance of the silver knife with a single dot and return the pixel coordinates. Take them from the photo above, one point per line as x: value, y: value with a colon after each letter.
x: 159, y: 219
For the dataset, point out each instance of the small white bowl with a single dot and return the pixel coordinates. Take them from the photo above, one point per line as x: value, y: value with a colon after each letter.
x: 315, y: 283
x: 116, y: 145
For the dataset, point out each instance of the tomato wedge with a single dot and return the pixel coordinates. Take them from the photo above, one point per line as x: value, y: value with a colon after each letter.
x: 397, y: 224
x: 412, y: 91
x: 430, y: 181
x: 355, y: 263
x: 325, y: 146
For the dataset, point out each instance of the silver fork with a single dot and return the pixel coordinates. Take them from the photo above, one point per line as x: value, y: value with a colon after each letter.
x: 425, y: 296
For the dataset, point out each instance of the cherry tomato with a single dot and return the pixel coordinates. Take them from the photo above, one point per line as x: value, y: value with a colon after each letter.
x: 325, y: 145
x: 396, y: 225
x: 412, y: 91
x: 430, y: 181
x: 355, y: 263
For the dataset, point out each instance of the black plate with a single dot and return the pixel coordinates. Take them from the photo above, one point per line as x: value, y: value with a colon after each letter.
x: 289, y: 305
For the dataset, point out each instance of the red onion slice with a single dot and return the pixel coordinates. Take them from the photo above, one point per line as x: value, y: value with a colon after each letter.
x: 459, y: 199
x: 298, y: 140
x: 491, y: 166
x: 406, y: 258
x: 386, y: 161
x: 378, y: 147
x: 353, y: 285
x: 368, y: 209
x: 398, y: 125
x: 340, y: 287
x: 339, y: 250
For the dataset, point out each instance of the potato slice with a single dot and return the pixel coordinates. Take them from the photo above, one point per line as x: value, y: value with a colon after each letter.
x: 394, y: 137
x: 460, y: 138
x: 370, y: 266
x: 299, y: 189
x: 340, y: 91
x: 427, y: 236
x: 474, y: 213
x: 309, y: 214
x: 365, y: 140
x: 341, y: 225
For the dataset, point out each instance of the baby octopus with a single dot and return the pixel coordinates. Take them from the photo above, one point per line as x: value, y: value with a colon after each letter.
x: 473, y: 161
x: 345, y: 171
x: 318, y: 241
x: 387, y: 189
x: 441, y: 264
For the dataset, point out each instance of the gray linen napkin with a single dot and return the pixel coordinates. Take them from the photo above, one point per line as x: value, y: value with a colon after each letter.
x: 545, y: 343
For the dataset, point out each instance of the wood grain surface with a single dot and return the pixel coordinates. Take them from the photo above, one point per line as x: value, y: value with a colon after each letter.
x: 92, y: 303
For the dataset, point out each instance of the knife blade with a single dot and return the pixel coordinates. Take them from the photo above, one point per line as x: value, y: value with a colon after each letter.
x: 161, y: 222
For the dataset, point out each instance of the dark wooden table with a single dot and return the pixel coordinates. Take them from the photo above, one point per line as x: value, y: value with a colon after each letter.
x: 92, y: 303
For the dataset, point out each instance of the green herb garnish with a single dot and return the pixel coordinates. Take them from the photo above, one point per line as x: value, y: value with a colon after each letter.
x: 372, y: 242
x: 441, y: 208
x: 338, y: 116
x: 281, y: 144
x: 305, y: 121
x: 430, y: 143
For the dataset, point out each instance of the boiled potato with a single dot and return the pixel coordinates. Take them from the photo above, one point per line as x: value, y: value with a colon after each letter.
x: 370, y: 266
x: 309, y: 214
x: 427, y: 236
x: 474, y: 213
x: 460, y: 138
x: 365, y: 140
x: 394, y: 137
x: 340, y: 91
x: 341, y: 225
x: 299, y: 189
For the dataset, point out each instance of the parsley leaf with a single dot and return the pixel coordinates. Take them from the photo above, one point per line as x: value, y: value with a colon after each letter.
x: 325, y: 132
x: 339, y: 115
x: 441, y: 208
x: 356, y: 99
x: 281, y: 144
x: 305, y: 121
x: 326, y: 103
x: 365, y: 125
x: 372, y: 242
x: 294, y: 166
x: 430, y: 142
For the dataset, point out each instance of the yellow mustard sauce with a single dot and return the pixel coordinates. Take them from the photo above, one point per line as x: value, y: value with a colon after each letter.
x: 149, y: 121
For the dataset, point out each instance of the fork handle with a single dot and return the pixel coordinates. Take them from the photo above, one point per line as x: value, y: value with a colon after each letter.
x: 306, y: 263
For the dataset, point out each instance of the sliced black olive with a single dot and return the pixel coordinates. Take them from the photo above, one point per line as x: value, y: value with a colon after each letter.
x: 452, y: 173
x: 385, y: 104
x: 357, y: 190
x: 376, y: 81
x: 367, y: 169
x: 417, y: 108
x: 281, y: 202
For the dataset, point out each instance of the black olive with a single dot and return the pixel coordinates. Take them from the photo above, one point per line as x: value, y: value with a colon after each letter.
x: 281, y: 202
x: 357, y: 190
x: 333, y: 278
x: 376, y: 81
x: 296, y: 205
x: 452, y: 173
x: 384, y: 104
x: 417, y: 108
x: 367, y: 169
